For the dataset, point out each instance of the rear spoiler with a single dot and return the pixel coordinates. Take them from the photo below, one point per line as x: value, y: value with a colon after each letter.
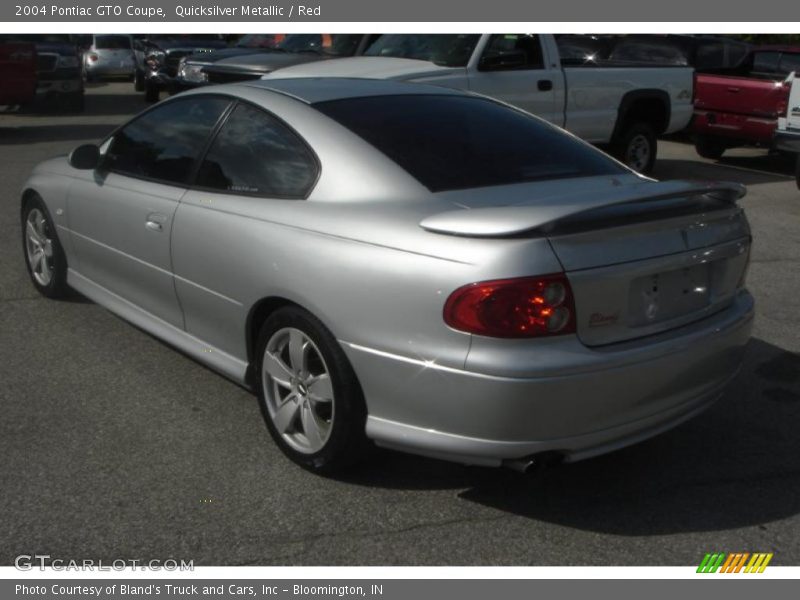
x: 544, y: 214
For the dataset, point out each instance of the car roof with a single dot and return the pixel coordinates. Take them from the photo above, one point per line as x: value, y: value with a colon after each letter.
x: 323, y: 89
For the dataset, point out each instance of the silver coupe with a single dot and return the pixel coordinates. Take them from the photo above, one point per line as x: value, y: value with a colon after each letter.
x: 409, y: 266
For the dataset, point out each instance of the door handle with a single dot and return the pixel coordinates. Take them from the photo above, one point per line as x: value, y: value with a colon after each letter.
x: 545, y: 85
x: 155, y: 221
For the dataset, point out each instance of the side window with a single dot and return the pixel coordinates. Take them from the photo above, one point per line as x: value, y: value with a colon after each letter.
x: 765, y: 62
x: 254, y: 153
x: 710, y: 56
x: 511, y: 51
x: 164, y: 143
x: 789, y: 63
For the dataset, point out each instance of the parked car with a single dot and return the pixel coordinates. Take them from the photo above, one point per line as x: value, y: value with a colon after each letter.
x: 191, y: 68
x: 59, y: 72
x: 741, y: 106
x: 702, y: 52
x: 429, y: 269
x: 787, y: 136
x: 109, y: 56
x: 295, y: 49
x: 158, y: 58
x: 637, y: 103
x: 17, y: 72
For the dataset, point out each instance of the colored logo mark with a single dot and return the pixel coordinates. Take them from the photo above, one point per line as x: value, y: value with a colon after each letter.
x: 743, y: 562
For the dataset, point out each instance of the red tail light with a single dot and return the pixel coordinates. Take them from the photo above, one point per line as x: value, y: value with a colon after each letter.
x: 513, y: 308
x: 93, y: 57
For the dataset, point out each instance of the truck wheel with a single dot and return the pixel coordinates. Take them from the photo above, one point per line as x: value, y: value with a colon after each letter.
x: 637, y: 146
x: 138, y: 81
x: 151, y: 92
x: 710, y: 148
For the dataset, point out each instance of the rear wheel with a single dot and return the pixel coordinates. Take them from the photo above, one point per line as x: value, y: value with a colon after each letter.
x: 310, y: 398
x: 709, y: 147
x: 44, y: 256
x: 637, y: 147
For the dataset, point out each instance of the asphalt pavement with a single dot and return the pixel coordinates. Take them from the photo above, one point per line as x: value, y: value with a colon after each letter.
x: 114, y: 445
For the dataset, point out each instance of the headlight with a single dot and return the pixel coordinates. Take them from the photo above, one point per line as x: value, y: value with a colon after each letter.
x: 67, y: 62
x: 155, y: 58
x: 192, y: 72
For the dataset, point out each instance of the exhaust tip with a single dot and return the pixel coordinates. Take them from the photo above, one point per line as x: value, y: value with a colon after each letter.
x: 535, y: 462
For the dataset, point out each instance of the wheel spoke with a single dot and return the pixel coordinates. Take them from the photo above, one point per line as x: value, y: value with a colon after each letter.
x: 320, y: 388
x: 277, y: 369
x: 285, y: 415
x: 297, y: 351
x: 311, y: 427
x: 48, y: 248
x: 40, y: 225
x: 36, y: 259
x: 33, y: 235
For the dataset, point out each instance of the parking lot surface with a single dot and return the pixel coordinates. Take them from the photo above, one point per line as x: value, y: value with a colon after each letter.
x: 116, y: 446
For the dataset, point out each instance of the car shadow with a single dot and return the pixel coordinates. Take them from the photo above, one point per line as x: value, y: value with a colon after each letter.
x: 736, y: 465
x: 747, y: 170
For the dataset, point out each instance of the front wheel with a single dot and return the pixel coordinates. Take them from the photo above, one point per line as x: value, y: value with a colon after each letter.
x: 797, y: 171
x: 637, y: 147
x: 151, y: 92
x: 310, y: 398
x: 44, y: 256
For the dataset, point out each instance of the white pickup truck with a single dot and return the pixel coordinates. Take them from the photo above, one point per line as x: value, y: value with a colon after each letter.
x: 787, y: 136
x: 622, y: 105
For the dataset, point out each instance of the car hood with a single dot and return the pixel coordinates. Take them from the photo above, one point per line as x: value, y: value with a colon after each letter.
x: 265, y: 62
x: 208, y: 58
x: 370, y: 67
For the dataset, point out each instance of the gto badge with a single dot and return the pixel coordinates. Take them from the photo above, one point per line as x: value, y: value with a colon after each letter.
x: 599, y: 319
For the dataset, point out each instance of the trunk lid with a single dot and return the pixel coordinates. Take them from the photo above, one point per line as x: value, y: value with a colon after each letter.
x: 739, y: 95
x: 645, y: 259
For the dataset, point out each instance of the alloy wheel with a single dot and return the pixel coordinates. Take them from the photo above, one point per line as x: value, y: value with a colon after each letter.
x: 298, y: 390
x: 39, y: 247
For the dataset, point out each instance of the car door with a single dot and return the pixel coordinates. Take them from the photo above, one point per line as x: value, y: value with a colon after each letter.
x: 513, y: 69
x: 256, y: 168
x: 120, y: 215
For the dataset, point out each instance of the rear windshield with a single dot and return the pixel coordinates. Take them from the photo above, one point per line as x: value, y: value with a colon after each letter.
x: 112, y: 42
x: 457, y: 142
x: 447, y: 50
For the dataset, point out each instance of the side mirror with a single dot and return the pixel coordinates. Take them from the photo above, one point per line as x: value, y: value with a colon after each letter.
x: 85, y: 157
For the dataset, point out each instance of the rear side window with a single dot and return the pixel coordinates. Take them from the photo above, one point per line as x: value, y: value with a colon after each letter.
x: 789, y: 63
x: 765, y: 62
x: 164, y: 143
x: 254, y: 153
x: 456, y: 142
x: 658, y: 52
x: 112, y: 42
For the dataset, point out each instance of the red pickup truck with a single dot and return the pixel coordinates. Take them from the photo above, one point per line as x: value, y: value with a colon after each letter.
x: 741, y: 106
x: 17, y: 72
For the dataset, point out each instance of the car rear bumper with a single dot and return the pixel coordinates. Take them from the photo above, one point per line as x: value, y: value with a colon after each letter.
x: 788, y: 141
x: 626, y: 393
x: 739, y: 129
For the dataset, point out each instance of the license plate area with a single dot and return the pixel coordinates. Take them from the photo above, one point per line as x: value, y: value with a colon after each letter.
x: 668, y: 295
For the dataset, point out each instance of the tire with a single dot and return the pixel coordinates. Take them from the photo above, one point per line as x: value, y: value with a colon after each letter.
x: 709, y: 147
x: 320, y: 426
x: 797, y: 171
x: 48, y: 272
x: 637, y: 147
x: 138, y: 81
x: 75, y: 102
x: 151, y: 92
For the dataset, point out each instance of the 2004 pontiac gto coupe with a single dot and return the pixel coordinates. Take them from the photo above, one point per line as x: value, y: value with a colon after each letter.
x: 428, y: 269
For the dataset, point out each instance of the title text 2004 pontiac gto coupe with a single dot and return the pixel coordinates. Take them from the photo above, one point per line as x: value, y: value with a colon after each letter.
x: 425, y: 268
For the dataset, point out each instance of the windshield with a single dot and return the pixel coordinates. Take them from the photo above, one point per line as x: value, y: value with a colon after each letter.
x: 260, y: 40
x: 455, y: 142
x: 321, y: 43
x: 445, y: 50
x: 112, y: 42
